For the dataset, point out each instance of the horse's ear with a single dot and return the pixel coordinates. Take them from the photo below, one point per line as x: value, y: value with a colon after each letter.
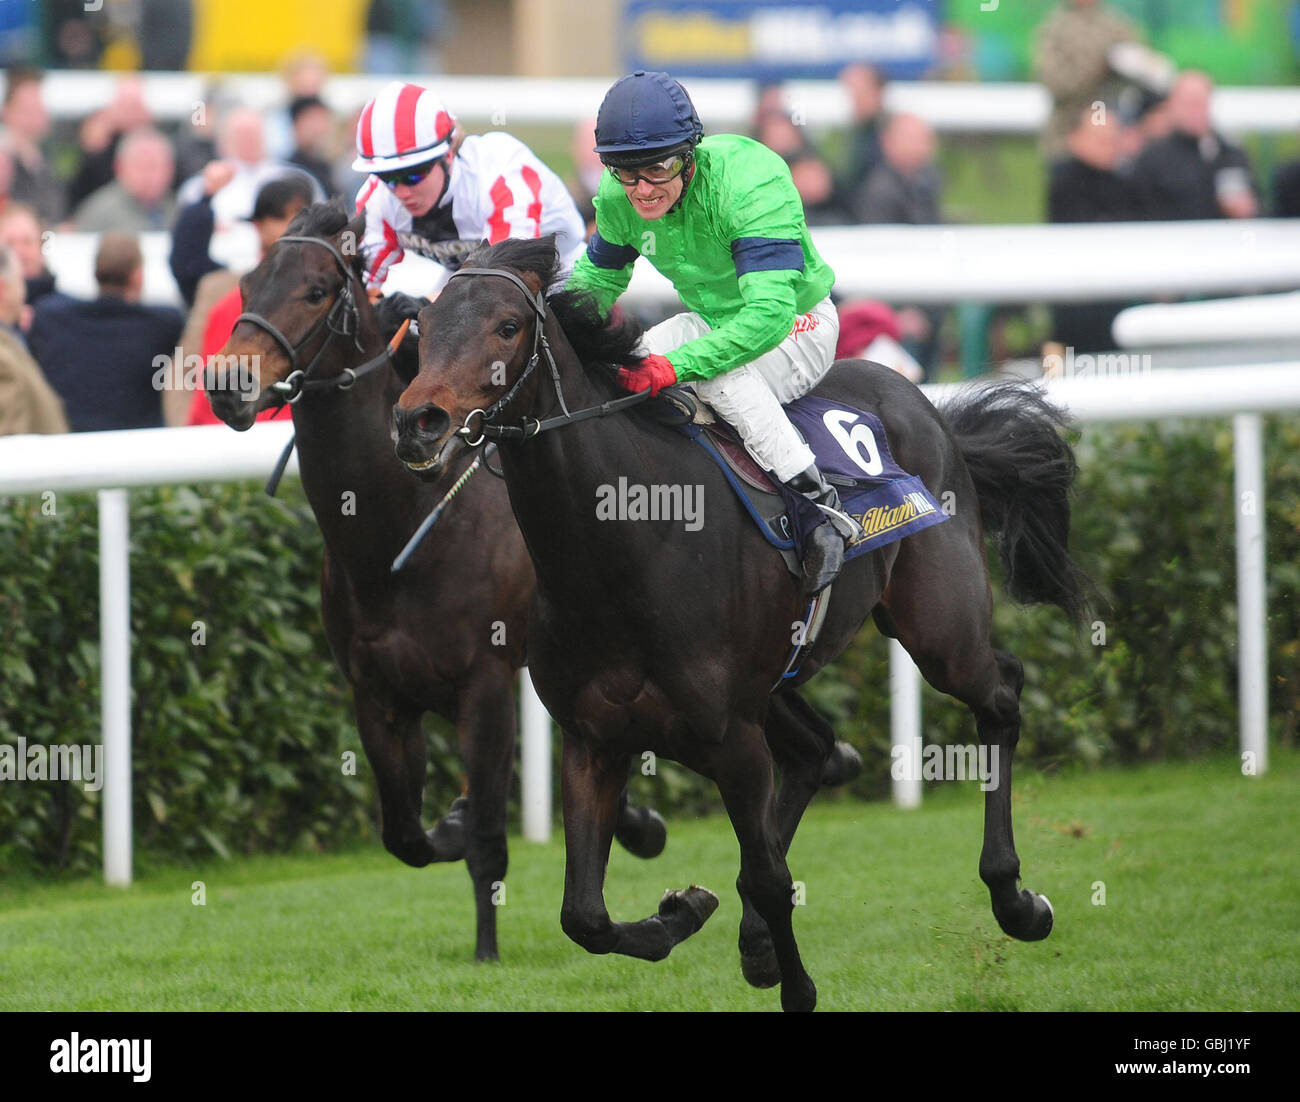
x: 550, y: 239
x: 539, y: 281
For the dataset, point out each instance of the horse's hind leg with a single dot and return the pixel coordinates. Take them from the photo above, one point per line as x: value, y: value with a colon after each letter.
x: 592, y: 784
x: 486, y: 731
x: 951, y: 647
x: 802, y: 743
x: 1022, y: 914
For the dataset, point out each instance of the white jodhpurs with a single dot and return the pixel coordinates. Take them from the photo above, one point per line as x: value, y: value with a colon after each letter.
x: 749, y: 398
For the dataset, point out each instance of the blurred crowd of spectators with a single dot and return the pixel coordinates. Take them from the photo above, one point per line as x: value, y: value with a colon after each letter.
x: 1128, y: 139
x: 82, y: 365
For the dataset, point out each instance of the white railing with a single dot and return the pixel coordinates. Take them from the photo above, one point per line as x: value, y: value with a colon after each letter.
x: 110, y: 461
x: 723, y: 104
x: 911, y: 264
x: 1249, y: 319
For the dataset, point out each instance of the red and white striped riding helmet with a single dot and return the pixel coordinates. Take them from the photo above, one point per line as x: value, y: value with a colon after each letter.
x: 404, y: 125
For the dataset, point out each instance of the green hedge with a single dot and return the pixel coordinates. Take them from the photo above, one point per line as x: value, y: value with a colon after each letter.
x: 238, y: 743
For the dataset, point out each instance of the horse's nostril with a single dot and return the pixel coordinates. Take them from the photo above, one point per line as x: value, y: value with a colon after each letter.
x: 426, y: 421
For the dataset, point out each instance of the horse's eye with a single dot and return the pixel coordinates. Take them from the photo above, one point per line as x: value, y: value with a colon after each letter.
x: 315, y: 295
x: 508, y: 329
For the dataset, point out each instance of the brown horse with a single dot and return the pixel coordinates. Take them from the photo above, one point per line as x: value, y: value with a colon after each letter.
x: 654, y: 636
x: 445, y: 634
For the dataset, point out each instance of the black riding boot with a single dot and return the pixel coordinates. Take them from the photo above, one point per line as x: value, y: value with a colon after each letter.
x: 824, y: 553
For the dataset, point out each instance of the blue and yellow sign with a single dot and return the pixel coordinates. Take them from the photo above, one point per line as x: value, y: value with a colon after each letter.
x: 780, y: 39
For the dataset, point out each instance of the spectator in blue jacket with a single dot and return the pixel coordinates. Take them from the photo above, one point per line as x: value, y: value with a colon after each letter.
x: 100, y: 356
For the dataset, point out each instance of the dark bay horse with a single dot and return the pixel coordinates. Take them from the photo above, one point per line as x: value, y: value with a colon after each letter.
x: 447, y: 633
x: 653, y: 636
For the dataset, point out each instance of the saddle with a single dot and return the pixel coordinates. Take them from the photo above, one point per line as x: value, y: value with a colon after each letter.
x: 758, y: 492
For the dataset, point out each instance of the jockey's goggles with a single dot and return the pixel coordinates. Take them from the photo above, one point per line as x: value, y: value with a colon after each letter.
x: 660, y: 172
x: 408, y: 177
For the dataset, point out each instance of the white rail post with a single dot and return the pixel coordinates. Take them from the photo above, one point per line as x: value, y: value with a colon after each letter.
x: 535, y: 762
x: 905, y: 724
x: 115, y: 681
x: 1252, y: 620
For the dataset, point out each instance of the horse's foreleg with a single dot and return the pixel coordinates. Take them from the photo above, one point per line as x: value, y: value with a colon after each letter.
x: 743, y: 770
x: 486, y: 730
x: 592, y: 785
x: 395, y: 747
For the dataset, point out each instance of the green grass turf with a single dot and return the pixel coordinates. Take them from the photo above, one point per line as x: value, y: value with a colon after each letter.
x: 1202, y: 912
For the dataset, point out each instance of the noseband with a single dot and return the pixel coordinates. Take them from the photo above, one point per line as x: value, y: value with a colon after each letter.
x: 341, y: 320
x: 530, y: 426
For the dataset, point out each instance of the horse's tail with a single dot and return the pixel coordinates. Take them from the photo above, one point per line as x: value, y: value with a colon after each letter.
x: 1011, y: 438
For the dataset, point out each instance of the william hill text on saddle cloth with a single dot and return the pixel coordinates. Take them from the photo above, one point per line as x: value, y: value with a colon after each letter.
x: 720, y: 218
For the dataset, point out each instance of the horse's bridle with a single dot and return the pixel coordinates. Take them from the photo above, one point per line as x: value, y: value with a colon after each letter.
x: 343, y: 319
x: 530, y: 426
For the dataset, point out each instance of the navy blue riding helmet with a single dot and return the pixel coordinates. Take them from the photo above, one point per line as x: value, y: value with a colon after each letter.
x: 644, y: 118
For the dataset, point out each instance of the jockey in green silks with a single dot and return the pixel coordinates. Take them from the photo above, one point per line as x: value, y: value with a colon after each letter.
x: 720, y: 218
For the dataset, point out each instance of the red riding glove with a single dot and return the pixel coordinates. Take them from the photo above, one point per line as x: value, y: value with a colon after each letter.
x: 652, y: 374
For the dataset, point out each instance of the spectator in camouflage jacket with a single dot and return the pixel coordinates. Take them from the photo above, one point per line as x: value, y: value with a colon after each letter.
x: 1071, y: 59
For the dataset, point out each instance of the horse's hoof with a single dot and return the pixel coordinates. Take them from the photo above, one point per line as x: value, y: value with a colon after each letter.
x: 448, y: 837
x: 799, y: 996
x: 648, y: 838
x: 761, y: 969
x: 1044, y: 918
x: 689, y: 907
x: 843, y: 766
x: 1033, y: 919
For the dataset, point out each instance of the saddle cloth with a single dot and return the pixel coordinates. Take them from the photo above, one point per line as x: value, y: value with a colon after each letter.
x: 852, y: 453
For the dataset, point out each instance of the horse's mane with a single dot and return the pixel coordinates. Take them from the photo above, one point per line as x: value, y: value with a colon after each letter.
x: 597, y: 339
